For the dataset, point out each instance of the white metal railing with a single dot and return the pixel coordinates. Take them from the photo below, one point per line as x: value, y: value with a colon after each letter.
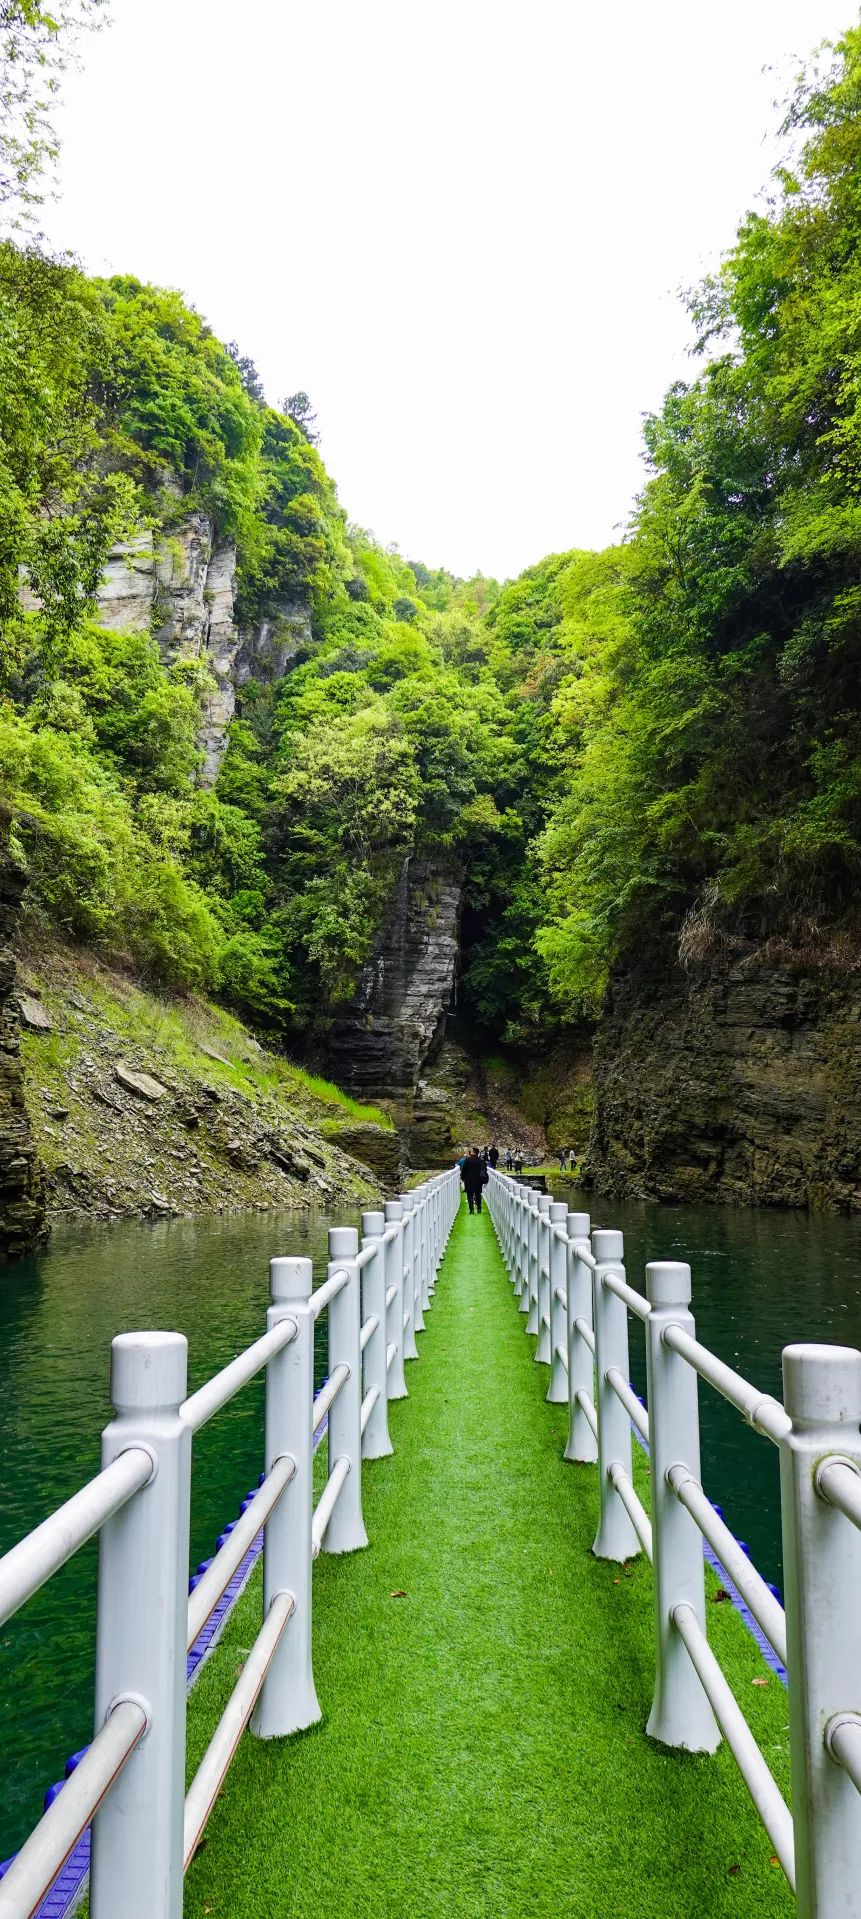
x: 131, y: 1781
x: 572, y: 1280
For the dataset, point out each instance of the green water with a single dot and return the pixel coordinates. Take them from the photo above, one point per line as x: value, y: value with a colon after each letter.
x: 58, y: 1314
x: 760, y: 1280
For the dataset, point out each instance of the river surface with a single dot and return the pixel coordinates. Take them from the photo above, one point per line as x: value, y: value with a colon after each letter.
x: 760, y: 1279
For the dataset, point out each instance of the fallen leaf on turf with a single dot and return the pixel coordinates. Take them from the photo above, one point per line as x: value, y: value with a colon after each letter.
x: 774, y: 1859
x: 759, y: 1682
x: 733, y: 1870
x: 617, y: 1582
x: 719, y: 1595
x: 397, y: 1595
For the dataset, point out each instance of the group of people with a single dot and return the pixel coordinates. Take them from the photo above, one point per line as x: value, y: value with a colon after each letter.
x: 474, y: 1168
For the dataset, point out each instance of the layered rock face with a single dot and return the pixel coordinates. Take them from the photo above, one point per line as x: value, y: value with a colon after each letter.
x: 381, y: 1042
x: 22, y: 1197
x: 739, y: 1080
x: 183, y: 589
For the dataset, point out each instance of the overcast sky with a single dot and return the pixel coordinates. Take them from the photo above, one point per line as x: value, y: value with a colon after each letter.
x: 460, y: 226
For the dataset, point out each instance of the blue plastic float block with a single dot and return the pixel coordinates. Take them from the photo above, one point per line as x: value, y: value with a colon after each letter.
x: 75, y: 1760
x: 198, y: 1573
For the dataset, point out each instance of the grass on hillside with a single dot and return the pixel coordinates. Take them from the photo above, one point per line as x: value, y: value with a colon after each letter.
x: 485, y: 1684
x: 180, y: 1028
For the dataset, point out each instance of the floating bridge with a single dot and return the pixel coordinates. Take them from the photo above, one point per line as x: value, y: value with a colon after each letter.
x: 469, y: 1620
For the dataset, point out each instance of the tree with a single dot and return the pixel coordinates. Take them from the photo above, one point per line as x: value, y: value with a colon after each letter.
x: 37, y: 43
x: 298, y: 408
x: 247, y: 373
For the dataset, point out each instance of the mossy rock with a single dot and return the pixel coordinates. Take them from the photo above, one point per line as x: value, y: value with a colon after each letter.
x: 373, y: 1146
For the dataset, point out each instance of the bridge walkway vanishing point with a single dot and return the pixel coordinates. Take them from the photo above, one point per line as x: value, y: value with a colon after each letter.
x: 485, y: 1684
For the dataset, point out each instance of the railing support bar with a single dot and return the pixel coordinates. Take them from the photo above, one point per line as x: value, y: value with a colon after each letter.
x: 140, y: 1635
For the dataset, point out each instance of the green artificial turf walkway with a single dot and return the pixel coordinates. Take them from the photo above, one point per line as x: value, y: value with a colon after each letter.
x: 482, y: 1750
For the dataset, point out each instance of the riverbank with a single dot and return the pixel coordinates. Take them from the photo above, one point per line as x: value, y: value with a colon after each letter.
x: 485, y: 1684
x: 143, y: 1107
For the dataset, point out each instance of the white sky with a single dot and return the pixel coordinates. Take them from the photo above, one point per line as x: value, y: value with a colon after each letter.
x: 460, y: 226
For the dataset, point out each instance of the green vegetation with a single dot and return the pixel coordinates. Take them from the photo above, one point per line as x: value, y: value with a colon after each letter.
x: 191, y: 1036
x: 438, y: 1782
x: 656, y: 747
x: 36, y: 44
x: 710, y: 730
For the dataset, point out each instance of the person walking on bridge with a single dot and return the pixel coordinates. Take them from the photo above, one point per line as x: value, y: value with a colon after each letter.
x: 473, y: 1173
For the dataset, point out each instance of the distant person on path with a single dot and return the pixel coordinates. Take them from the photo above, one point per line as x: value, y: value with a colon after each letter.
x: 573, y: 1157
x: 563, y: 1163
x: 473, y: 1175
x: 493, y: 1156
x: 509, y: 1159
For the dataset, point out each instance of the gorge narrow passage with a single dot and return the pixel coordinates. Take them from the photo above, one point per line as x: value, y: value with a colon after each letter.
x: 485, y: 1684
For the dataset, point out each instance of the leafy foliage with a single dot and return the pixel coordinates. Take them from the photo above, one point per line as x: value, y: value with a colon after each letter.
x: 655, y: 744
x: 36, y: 44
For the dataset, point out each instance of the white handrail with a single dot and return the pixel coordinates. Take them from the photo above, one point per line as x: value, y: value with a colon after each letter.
x: 35, y: 1867
x: 221, y: 1569
x: 206, y: 1784
x: 328, y: 1394
x: 767, y: 1610
x: 26, y: 1567
x: 209, y: 1399
x: 767, y: 1798
x: 327, y: 1502
x: 839, y: 1481
x: 132, y: 1786
x: 329, y: 1290
x: 818, y: 1432
x: 761, y: 1410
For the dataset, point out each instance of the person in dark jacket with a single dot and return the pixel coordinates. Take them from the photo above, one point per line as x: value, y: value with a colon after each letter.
x: 493, y: 1156
x: 473, y: 1173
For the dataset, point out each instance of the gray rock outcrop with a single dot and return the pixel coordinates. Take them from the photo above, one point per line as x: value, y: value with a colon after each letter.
x: 22, y: 1194
x: 183, y: 588
x: 739, y: 1080
x: 396, y: 1021
x: 268, y: 649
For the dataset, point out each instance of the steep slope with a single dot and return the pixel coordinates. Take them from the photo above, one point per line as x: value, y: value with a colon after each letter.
x: 148, y: 1108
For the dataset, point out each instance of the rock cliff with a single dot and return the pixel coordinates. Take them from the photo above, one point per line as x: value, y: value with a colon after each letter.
x: 737, y: 1080
x: 382, y: 1041
x: 183, y: 589
x: 22, y: 1197
x: 146, y: 1109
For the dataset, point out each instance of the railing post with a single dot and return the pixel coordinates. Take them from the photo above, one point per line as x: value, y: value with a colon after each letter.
x: 288, y: 1701
x: 411, y: 1350
x: 582, y: 1444
x: 141, y: 1621
x: 615, y: 1538
x: 822, y: 1579
x: 532, y: 1266
x: 409, y: 1203
x: 521, y: 1283
x: 395, y: 1312
x: 345, y: 1532
x: 681, y: 1714
x: 376, y: 1443
x: 557, y: 1391
x: 542, y: 1350
x: 419, y: 1201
